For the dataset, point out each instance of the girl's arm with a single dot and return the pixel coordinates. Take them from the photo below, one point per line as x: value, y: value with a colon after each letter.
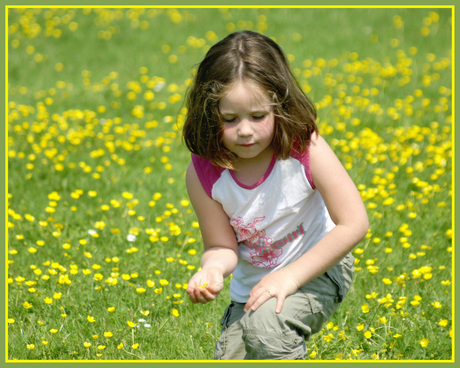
x: 220, y: 256
x: 346, y: 209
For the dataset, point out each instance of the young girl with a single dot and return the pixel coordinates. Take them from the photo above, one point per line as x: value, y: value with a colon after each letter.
x: 276, y: 208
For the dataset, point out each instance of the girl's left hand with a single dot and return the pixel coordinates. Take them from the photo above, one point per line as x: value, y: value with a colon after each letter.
x: 278, y: 284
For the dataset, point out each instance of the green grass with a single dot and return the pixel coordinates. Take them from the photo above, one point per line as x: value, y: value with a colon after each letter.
x: 93, y: 160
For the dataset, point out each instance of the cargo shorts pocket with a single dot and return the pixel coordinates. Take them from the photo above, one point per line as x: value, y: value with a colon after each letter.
x: 342, y: 276
x: 274, y: 346
x: 321, y: 296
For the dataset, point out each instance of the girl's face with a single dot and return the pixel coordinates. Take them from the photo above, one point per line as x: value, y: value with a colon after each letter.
x: 248, y: 122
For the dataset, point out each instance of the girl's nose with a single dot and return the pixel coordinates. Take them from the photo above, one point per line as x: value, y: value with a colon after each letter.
x: 245, y: 128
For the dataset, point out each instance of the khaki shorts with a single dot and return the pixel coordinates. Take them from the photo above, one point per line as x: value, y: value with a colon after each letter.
x: 265, y: 335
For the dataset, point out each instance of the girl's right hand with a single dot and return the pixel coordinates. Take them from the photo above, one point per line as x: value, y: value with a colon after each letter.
x: 205, y: 285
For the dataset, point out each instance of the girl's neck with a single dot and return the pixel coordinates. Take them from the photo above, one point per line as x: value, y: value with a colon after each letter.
x: 251, y: 171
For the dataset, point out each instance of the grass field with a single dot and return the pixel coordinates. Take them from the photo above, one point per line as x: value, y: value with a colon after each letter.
x: 102, y: 239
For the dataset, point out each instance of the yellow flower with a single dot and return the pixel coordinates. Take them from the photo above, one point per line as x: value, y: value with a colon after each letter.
x: 131, y: 324
x: 365, y: 308
x: 436, y: 304
x: 135, y: 346
x: 119, y: 347
x: 91, y: 319
x: 424, y: 343
x: 30, y: 346
x: 443, y: 323
x: 368, y: 334
x: 127, y: 195
x: 387, y: 281
x: 87, y: 344
x: 27, y: 305
x: 112, y: 281
x: 11, y: 321
x: 108, y: 334
x: 175, y: 312
x: 53, y: 330
x: 111, y: 309
x: 141, y: 290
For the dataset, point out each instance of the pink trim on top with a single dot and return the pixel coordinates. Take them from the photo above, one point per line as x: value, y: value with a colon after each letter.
x: 207, y: 173
x: 260, y: 181
x: 304, y: 159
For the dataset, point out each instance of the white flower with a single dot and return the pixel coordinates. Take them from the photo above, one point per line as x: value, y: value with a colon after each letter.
x: 131, y: 237
x: 92, y: 232
x: 142, y: 320
x: 147, y: 325
x: 159, y: 86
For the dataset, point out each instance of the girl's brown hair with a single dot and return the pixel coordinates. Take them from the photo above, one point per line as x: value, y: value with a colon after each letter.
x: 246, y: 56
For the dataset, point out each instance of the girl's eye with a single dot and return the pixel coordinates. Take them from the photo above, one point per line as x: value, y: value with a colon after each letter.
x: 229, y: 120
x: 258, y: 117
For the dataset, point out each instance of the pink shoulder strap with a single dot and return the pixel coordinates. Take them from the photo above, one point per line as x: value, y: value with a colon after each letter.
x: 304, y: 158
x: 207, y: 173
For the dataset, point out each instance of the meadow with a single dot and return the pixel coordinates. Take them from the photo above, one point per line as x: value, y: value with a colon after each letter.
x: 102, y: 239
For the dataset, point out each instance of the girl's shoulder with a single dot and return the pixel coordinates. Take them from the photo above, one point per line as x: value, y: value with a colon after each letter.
x: 207, y: 172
